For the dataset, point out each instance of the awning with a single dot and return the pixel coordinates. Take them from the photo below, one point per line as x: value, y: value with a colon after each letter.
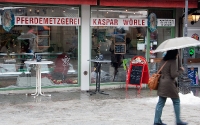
x: 150, y: 3
x: 68, y: 2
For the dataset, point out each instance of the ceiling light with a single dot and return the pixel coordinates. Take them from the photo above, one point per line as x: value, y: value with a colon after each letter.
x: 122, y: 16
x: 195, y: 18
x: 4, y: 8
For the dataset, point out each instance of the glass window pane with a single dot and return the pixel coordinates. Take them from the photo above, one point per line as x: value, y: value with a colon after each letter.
x: 116, y: 43
x: 55, y: 43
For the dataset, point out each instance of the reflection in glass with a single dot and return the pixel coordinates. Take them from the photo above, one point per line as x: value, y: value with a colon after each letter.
x: 117, y: 44
x: 55, y: 43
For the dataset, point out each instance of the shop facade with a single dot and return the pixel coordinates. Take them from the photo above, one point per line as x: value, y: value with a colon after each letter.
x: 49, y: 31
x: 71, y: 34
x: 194, y: 52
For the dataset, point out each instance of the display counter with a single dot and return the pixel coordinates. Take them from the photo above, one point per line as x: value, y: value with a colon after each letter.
x: 12, y: 64
x: 48, y: 55
x: 27, y: 56
x: 15, y: 73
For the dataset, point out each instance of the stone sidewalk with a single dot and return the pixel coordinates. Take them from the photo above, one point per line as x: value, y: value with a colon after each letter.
x: 79, y: 108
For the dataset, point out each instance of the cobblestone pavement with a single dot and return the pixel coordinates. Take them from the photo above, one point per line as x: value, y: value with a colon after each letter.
x: 79, y: 108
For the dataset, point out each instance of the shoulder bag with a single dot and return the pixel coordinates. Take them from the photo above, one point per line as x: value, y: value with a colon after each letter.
x: 153, y: 80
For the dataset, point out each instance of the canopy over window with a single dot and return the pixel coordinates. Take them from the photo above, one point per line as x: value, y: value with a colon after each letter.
x: 150, y: 3
x: 68, y: 2
x: 125, y: 3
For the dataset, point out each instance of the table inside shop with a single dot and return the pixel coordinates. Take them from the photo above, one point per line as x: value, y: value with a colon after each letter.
x: 98, y: 75
x: 38, y: 76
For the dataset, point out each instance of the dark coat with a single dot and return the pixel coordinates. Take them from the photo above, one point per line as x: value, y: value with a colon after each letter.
x: 167, y: 87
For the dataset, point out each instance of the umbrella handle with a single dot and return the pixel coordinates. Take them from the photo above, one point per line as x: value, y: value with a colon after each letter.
x: 179, y: 59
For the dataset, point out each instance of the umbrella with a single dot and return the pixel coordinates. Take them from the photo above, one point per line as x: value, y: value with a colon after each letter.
x: 177, y: 43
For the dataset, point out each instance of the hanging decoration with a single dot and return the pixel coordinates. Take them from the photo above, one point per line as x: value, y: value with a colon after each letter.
x: 152, y: 22
x: 8, y: 20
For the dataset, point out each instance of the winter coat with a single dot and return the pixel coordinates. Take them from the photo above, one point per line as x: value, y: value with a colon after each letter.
x: 167, y: 86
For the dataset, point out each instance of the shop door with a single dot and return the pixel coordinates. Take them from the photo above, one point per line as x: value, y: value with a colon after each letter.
x: 156, y: 39
x: 163, y: 34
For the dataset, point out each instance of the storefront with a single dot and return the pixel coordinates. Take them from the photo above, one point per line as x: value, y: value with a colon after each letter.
x: 49, y: 31
x: 122, y: 33
x: 194, y: 52
x: 69, y: 33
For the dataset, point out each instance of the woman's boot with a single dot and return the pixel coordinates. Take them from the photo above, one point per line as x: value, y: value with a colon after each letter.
x: 176, y: 103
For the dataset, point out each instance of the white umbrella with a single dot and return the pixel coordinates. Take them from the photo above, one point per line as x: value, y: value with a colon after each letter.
x: 177, y: 43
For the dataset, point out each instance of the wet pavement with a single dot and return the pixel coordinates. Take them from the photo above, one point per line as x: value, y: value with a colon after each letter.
x: 14, y: 98
x: 79, y: 108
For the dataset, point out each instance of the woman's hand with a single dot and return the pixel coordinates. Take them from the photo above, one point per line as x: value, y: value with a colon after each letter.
x: 182, y: 68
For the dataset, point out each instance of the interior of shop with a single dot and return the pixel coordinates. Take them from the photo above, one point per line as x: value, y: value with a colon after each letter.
x: 107, y: 40
x: 117, y: 43
x: 23, y: 42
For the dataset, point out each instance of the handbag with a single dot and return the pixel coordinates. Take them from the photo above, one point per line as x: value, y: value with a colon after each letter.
x: 153, y: 80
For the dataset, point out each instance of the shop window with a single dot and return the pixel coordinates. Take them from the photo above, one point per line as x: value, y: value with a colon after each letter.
x: 117, y: 43
x: 58, y: 43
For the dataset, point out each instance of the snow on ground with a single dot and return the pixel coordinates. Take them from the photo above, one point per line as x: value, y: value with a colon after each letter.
x: 135, y: 111
x: 186, y: 99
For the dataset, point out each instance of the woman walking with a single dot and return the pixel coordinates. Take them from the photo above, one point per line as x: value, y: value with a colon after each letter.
x: 167, y: 87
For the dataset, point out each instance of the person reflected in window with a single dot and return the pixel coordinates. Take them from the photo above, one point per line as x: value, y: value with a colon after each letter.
x: 116, y: 59
x: 167, y: 87
x: 24, y: 49
x: 36, y: 41
x: 128, y: 41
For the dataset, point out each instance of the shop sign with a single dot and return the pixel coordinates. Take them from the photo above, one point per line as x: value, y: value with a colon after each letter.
x: 166, y: 22
x: 118, y: 22
x: 48, y: 21
x: 191, y: 51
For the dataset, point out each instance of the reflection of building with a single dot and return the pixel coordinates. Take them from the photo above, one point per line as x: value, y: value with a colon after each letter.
x: 68, y: 30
